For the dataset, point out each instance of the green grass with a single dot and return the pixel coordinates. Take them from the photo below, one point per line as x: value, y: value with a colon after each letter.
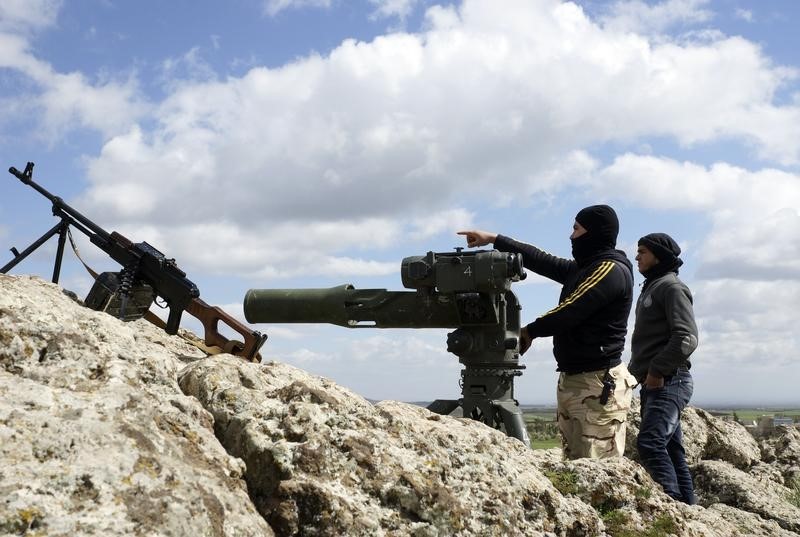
x: 544, y: 416
x: 546, y: 443
x: 565, y: 481
x: 662, y: 526
x: 618, y: 525
x: 794, y: 494
x: 616, y: 522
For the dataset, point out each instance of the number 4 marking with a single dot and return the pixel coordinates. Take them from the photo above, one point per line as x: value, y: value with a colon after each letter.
x: 468, y: 271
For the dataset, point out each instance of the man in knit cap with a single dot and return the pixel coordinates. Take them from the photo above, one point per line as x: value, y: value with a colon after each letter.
x: 588, y: 328
x: 664, y: 336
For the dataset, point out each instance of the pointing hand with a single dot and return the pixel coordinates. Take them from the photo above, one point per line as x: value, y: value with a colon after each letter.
x: 477, y: 238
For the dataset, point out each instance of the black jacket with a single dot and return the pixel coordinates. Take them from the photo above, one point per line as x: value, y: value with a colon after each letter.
x: 665, y: 333
x: 590, y: 322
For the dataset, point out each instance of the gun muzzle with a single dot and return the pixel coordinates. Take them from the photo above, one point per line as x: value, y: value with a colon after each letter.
x: 298, y: 305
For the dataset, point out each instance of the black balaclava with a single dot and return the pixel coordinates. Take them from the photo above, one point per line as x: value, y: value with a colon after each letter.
x: 666, y: 251
x: 602, y: 228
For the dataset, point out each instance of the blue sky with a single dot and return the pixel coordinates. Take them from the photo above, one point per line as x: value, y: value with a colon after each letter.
x: 289, y: 143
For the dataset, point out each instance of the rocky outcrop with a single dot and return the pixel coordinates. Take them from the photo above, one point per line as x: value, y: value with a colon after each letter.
x: 96, y: 437
x: 719, y: 482
x: 325, y: 461
x: 781, y: 451
x: 705, y: 437
x: 630, y: 503
x: 109, y: 428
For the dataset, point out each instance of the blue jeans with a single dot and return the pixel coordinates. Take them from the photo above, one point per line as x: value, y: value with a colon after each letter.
x: 660, y: 440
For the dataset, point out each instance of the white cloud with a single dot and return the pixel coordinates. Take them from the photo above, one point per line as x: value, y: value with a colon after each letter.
x: 761, y: 247
x: 756, y: 226
x: 409, y: 351
x: 191, y: 66
x: 65, y: 101
x: 429, y: 225
x: 25, y: 15
x: 743, y: 14
x: 284, y: 333
x: 340, y: 266
x: 383, y: 141
x: 664, y: 183
x: 303, y: 357
x: 273, y: 7
x: 393, y: 8
x: 640, y: 17
x: 739, y: 320
x: 393, y: 364
x: 748, y: 336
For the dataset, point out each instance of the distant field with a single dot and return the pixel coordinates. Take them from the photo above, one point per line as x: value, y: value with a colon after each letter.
x: 542, y: 427
x: 545, y: 416
x: 543, y: 430
x: 748, y: 414
x: 542, y: 413
x: 546, y: 444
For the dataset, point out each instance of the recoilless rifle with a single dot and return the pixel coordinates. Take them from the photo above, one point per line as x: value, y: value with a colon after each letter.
x: 468, y: 291
x: 146, y: 274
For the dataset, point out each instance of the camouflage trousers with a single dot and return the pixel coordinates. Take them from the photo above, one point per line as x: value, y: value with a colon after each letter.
x: 589, y: 429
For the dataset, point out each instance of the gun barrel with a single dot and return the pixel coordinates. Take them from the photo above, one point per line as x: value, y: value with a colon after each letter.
x: 353, y: 308
x: 79, y: 221
x: 297, y: 305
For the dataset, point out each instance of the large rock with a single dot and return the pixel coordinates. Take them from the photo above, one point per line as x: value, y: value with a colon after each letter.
x: 324, y: 461
x: 95, y: 434
x: 705, y: 437
x: 720, y: 482
x: 781, y: 450
x: 630, y: 503
x: 728, y: 441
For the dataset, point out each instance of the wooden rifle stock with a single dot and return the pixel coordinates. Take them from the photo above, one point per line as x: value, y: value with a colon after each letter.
x: 210, y: 316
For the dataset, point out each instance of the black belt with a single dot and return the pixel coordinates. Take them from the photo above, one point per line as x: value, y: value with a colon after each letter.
x: 611, y: 365
x: 601, y: 370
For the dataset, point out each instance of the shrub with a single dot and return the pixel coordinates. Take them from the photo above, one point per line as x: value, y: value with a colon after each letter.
x: 794, y: 492
x: 565, y: 481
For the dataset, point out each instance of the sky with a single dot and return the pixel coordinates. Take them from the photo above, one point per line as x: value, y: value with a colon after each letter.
x: 311, y: 143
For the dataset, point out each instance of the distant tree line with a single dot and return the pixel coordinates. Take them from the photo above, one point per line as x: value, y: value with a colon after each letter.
x: 541, y: 429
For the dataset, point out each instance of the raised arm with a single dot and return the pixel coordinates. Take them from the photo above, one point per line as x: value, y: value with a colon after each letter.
x: 477, y: 238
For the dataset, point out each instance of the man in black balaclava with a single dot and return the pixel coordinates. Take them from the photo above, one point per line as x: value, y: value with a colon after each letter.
x: 664, y: 336
x: 588, y: 327
x: 602, y: 228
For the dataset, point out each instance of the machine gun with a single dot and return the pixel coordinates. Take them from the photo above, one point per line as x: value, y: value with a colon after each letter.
x: 146, y: 274
x: 468, y: 291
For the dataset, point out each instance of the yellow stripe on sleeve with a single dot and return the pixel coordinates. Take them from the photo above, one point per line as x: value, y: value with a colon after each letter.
x: 599, y: 273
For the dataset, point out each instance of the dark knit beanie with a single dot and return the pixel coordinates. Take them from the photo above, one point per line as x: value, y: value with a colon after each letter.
x: 601, y: 222
x: 663, y: 247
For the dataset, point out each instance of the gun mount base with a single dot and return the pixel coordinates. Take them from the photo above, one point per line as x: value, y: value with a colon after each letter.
x: 504, y: 415
x: 444, y: 407
x: 487, y: 396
